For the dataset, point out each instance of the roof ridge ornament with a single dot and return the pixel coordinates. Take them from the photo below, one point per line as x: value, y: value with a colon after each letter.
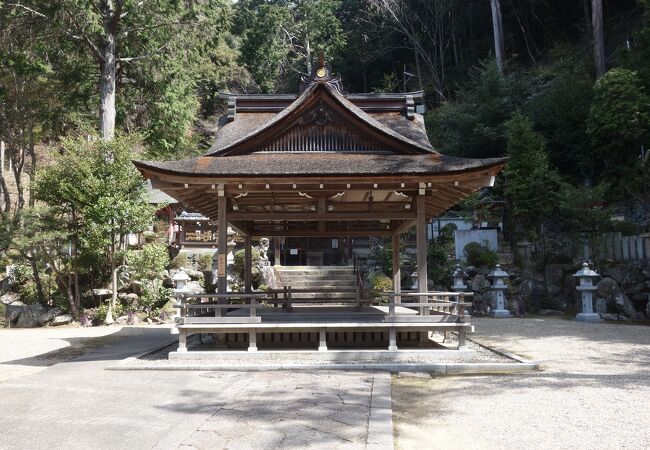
x: 321, y: 73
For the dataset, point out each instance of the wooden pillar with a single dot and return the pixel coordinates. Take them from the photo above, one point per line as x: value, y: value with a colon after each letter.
x: 397, y: 269
x: 248, y: 263
x: 222, y: 243
x: 421, y: 242
x: 322, y: 340
x: 277, y: 252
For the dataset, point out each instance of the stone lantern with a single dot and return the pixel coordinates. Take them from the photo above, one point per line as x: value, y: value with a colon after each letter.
x: 180, y: 280
x: 586, y: 287
x: 230, y: 245
x: 499, y: 287
x: 459, y: 280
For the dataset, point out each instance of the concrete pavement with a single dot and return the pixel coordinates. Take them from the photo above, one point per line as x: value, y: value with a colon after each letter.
x: 80, y: 405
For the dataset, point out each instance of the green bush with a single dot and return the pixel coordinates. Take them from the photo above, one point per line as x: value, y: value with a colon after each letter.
x: 149, y: 262
x: 381, y: 282
x: 479, y: 255
x: 238, y: 266
x: 205, y: 261
x: 180, y: 261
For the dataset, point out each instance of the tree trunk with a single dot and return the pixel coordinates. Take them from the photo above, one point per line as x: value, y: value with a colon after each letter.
x: 497, y: 27
x: 108, y: 72
x: 598, y: 36
x: 37, y: 279
x: 111, y: 303
x: 32, y: 166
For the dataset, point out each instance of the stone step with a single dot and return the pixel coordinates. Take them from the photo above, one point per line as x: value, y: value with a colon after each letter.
x: 322, y: 281
x: 317, y: 284
x: 319, y: 273
x: 336, y: 295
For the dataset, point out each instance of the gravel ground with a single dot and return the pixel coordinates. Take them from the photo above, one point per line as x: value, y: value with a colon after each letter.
x: 592, y: 393
x: 24, y: 351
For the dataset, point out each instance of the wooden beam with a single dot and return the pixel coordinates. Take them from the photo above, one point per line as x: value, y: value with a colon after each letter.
x: 328, y: 216
x: 326, y: 233
x: 404, y: 226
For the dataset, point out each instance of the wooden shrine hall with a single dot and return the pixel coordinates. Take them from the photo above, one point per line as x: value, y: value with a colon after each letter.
x: 323, y: 163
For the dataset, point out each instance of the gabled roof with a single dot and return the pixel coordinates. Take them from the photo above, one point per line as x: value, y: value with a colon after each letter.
x: 248, y: 132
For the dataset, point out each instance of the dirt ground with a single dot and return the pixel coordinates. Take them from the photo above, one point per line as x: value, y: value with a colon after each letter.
x: 25, y: 351
x: 592, y: 393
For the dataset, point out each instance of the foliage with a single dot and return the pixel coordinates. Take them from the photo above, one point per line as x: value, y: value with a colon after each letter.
x: 479, y: 255
x: 205, y: 261
x: 238, y: 265
x: 618, y: 123
x: 380, y: 282
x: 179, y: 262
x: 474, y: 125
x: 532, y: 185
x: 281, y: 38
x: 149, y: 262
x: 440, y: 260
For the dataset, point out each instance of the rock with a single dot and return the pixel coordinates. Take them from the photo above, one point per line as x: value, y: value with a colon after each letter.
x: 127, y: 320
x: 647, y: 310
x: 63, y: 319
x: 131, y: 298
x: 471, y: 271
x: 600, y: 306
x: 12, y: 312
x: 550, y: 312
x: 533, y: 292
x: 30, y: 315
x: 102, y: 293
x: 148, y: 320
x: 617, y: 317
x: 480, y: 283
x: 49, y: 315
x: 121, y: 296
x: 193, y: 287
x: 609, y: 289
x: 136, y: 287
x: 195, y: 274
x: 9, y: 298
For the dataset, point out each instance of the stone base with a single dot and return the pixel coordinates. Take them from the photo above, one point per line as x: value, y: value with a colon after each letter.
x: 588, y: 317
x: 501, y: 313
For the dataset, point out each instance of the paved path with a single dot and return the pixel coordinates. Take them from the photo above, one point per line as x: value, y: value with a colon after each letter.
x: 79, y: 405
x: 594, y: 392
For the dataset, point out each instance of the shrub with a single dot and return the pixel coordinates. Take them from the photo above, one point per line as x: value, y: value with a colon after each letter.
x: 180, y: 261
x: 149, y: 262
x: 479, y: 255
x: 205, y: 261
x: 380, y: 282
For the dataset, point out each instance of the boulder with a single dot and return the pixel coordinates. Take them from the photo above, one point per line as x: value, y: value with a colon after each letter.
x: 63, y: 319
x: 610, y: 290
x: 600, y: 306
x: 131, y: 298
x: 30, y: 316
x: 195, y: 274
x: 533, y: 292
x: 136, y: 287
x: 193, y: 287
x: 471, y: 271
x: 480, y: 283
x: 102, y: 293
x: 127, y: 320
x: 12, y: 312
x: 9, y: 298
x: 49, y: 315
x: 647, y: 311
